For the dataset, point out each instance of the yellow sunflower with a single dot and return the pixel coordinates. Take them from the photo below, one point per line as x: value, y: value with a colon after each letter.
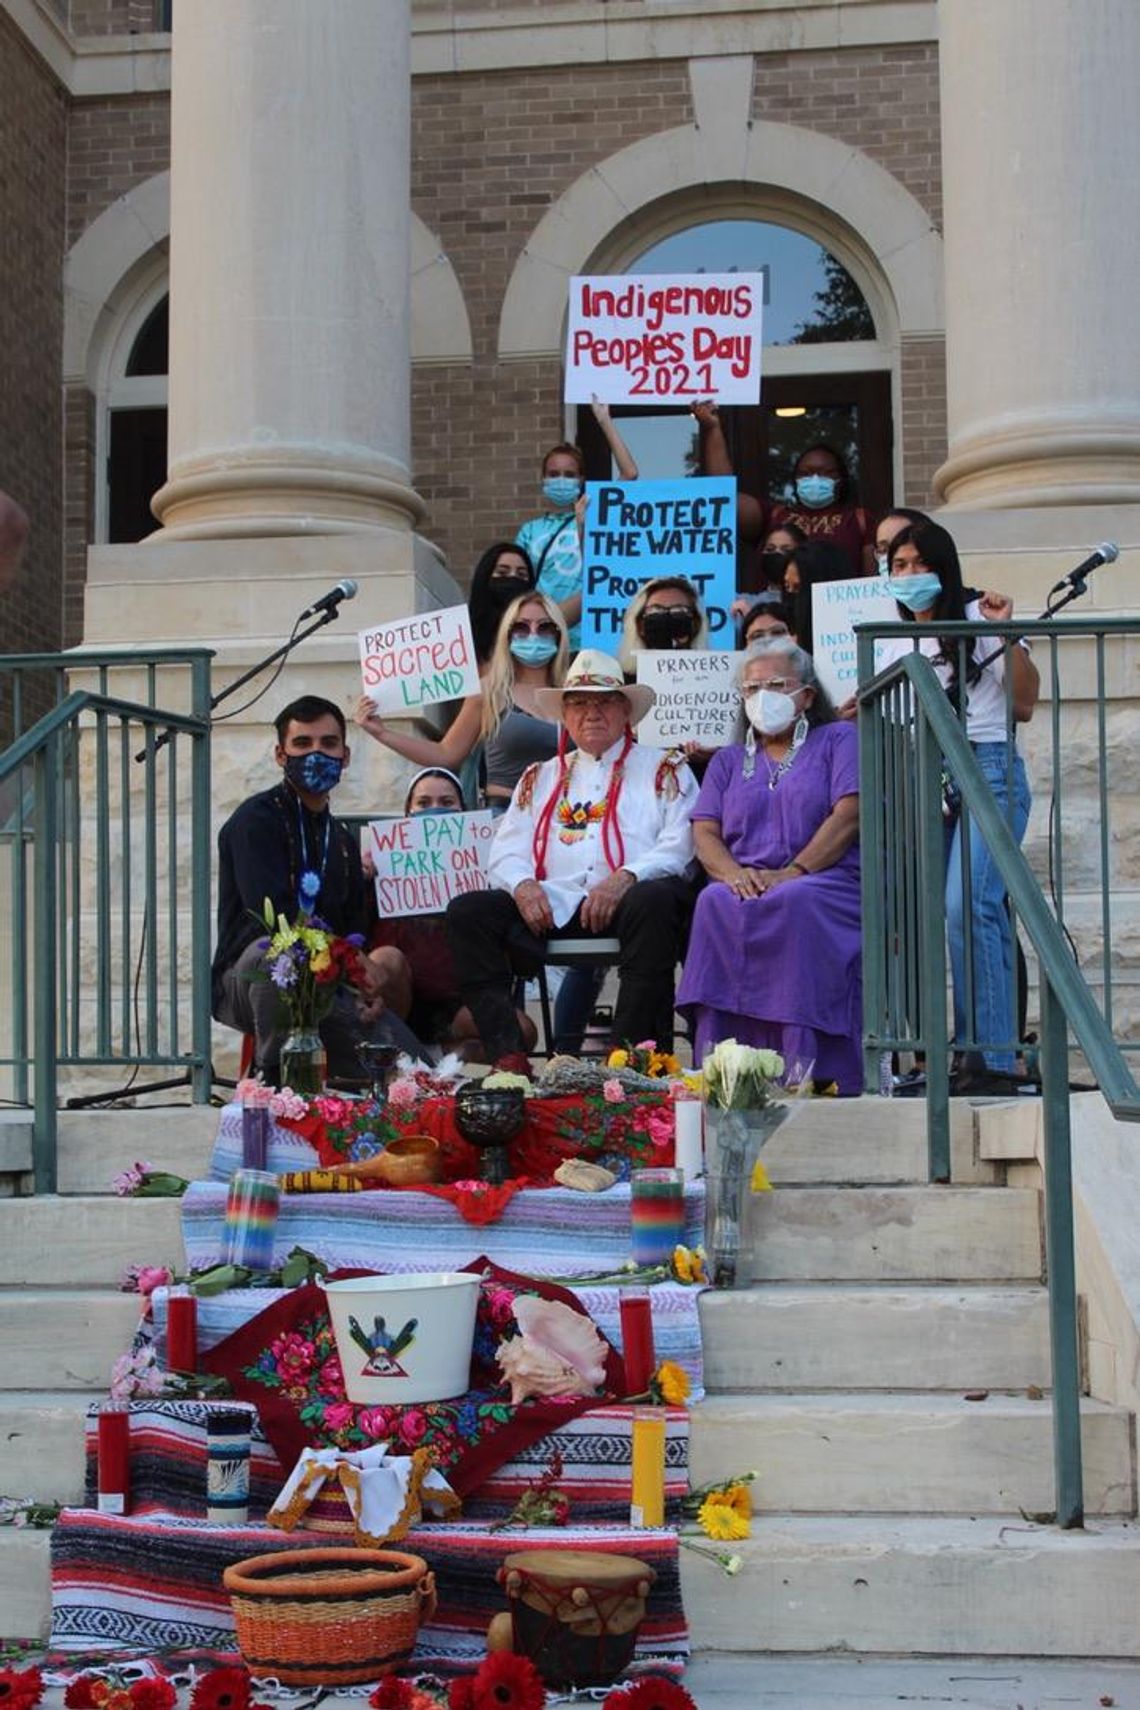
x: 719, y: 1519
x: 737, y: 1497
x: 617, y: 1060
x: 671, y: 1382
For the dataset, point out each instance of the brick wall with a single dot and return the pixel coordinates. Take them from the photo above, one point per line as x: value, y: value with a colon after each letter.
x: 78, y: 504
x: 32, y: 149
x: 113, y: 144
x: 923, y: 375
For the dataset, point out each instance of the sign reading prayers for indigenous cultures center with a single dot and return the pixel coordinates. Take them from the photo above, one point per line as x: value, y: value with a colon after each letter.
x: 836, y: 607
x: 637, y: 531
x: 419, y: 661
x: 697, y: 698
x: 658, y: 336
x: 422, y: 862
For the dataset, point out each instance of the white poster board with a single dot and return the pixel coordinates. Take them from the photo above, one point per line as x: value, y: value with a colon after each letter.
x: 665, y: 338
x: 419, y: 662
x: 424, y: 861
x: 836, y: 607
x: 697, y: 699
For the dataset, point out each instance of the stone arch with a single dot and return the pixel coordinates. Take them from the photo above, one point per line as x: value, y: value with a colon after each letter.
x: 119, y: 250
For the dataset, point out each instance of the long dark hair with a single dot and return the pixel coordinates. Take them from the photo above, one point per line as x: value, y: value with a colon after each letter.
x: 484, y: 610
x: 935, y: 546
x: 817, y: 561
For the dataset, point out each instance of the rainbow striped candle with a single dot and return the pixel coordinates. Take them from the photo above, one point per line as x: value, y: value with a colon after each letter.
x: 251, y: 1219
x: 656, y: 1214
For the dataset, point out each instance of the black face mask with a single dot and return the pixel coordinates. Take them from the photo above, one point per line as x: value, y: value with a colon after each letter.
x: 773, y: 565
x: 503, y: 589
x: 662, y: 628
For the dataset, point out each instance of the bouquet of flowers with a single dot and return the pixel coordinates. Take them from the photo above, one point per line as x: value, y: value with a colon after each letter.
x: 644, y: 1059
x: 740, y: 1077
x: 741, y: 1114
x: 308, y: 964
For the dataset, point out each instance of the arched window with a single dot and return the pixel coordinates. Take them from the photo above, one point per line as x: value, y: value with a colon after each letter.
x: 134, y: 420
x: 826, y: 367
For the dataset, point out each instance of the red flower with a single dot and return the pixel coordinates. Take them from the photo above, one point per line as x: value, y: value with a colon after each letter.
x: 654, y: 1692
x: 393, y: 1694
x: 223, y: 1689
x: 77, y: 1693
x: 153, y: 1695
x: 507, y: 1682
x: 461, y: 1693
x: 20, y: 1688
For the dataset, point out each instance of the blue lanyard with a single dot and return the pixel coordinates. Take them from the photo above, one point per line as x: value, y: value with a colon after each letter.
x: 309, y: 888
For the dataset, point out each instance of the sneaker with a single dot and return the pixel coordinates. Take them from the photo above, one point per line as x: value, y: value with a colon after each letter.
x: 985, y: 1083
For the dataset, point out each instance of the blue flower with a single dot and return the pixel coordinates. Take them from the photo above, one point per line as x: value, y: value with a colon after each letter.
x: 467, y: 1419
x: 364, y: 1146
x: 283, y: 971
x: 310, y: 884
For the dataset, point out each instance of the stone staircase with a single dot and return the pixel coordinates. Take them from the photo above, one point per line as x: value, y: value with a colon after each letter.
x: 886, y: 1373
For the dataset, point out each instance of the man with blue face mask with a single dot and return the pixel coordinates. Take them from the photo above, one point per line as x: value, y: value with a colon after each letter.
x: 285, y: 844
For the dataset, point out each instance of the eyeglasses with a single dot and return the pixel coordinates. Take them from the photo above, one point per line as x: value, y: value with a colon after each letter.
x: 778, y: 685
x: 519, y: 631
x: 579, y: 703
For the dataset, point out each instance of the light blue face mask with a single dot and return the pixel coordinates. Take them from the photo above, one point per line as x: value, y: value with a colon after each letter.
x: 561, y: 490
x: 916, y: 593
x: 533, y: 649
x: 816, y: 491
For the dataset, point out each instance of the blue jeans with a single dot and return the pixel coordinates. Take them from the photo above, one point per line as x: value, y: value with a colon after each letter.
x: 994, y: 1022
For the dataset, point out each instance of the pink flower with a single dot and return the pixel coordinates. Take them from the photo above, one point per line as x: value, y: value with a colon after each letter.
x: 335, y: 1111
x: 375, y: 1423
x: 131, y: 1179
x: 471, y: 1184
x: 412, y: 1428
x: 646, y: 1045
x: 613, y: 1092
x: 500, y: 1306
x: 136, y: 1374
x: 403, y: 1094
x: 330, y: 1378
x: 294, y: 1355
x: 288, y: 1103
x: 660, y: 1125
x: 246, y: 1091
x: 144, y: 1279
x: 339, y: 1416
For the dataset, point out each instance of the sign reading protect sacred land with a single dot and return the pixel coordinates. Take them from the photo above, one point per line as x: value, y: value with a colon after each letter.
x: 419, y: 661
x: 697, y: 699
x: 682, y: 336
x: 422, y: 862
x: 836, y: 607
x: 639, y: 530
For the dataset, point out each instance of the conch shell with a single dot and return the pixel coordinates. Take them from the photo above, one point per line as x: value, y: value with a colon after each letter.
x: 559, y: 1352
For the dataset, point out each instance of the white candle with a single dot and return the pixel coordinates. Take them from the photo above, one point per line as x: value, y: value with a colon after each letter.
x: 688, y: 1141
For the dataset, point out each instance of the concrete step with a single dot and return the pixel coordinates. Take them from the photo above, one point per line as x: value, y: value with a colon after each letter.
x: 871, y: 1141
x: 42, y: 1433
x: 929, y: 1234
x: 97, y: 1145
x: 88, y: 1240
x: 63, y: 1338
x: 832, y: 1336
x: 25, y: 1583
x: 898, y: 1454
x: 941, y: 1587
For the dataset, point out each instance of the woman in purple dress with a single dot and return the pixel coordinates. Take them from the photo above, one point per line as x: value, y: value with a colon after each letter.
x: 775, y: 952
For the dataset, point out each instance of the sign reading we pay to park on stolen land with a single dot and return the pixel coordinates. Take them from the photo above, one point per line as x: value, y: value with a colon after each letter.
x: 638, y: 530
x: 836, y: 607
x: 697, y: 698
x: 681, y: 336
x: 419, y: 661
x: 421, y: 863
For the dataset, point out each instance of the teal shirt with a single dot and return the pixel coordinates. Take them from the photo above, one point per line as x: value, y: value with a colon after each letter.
x: 555, y: 534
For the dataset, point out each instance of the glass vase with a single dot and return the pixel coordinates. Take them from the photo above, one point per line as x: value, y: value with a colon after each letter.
x: 733, y: 1139
x: 304, y: 1062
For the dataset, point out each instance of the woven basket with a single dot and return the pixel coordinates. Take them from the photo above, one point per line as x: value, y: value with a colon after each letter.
x: 332, y: 1617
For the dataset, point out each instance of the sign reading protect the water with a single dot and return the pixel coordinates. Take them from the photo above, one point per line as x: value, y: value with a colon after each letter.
x: 665, y: 336
x: 639, y: 530
x: 419, y: 661
x: 836, y: 607
x: 424, y: 861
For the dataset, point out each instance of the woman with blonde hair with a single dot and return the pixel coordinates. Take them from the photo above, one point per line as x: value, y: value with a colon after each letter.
x: 531, y: 652
x: 664, y: 615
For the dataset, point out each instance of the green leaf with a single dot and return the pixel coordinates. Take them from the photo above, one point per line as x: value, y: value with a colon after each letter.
x: 218, y: 1279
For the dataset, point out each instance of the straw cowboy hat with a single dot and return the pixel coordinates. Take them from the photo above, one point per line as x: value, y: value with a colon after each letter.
x: 594, y: 673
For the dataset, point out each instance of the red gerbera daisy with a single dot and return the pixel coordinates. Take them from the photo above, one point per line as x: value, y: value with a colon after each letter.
x: 20, y: 1688
x: 654, y: 1692
x: 461, y: 1693
x: 393, y: 1694
x: 153, y: 1695
x: 77, y: 1693
x: 507, y: 1682
x: 223, y: 1689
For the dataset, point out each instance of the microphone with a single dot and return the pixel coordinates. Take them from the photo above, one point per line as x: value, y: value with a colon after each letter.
x: 346, y: 590
x: 1106, y: 553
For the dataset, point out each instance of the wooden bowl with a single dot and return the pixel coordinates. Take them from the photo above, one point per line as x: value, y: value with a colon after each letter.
x: 408, y: 1161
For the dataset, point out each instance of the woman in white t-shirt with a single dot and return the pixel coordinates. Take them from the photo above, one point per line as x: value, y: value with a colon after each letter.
x: 925, y: 578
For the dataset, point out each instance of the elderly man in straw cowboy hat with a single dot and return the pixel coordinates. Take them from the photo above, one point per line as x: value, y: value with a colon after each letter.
x: 596, y: 840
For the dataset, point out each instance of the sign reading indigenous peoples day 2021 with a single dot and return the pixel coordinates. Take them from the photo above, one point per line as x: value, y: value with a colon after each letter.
x: 639, y: 530
x: 419, y: 661
x: 422, y: 862
x: 836, y: 607
x: 682, y: 336
x: 697, y: 699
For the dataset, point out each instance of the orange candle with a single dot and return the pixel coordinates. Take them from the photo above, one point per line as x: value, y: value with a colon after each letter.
x: 647, y: 1505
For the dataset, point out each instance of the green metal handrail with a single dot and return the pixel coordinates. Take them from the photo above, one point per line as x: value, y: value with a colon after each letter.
x: 908, y: 733
x: 82, y: 953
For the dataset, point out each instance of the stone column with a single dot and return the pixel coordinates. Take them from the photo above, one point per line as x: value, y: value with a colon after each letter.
x: 290, y: 234
x: 1040, y: 130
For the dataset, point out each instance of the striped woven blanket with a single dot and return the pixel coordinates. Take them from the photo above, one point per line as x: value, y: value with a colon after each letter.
x: 145, y: 1583
x: 550, y: 1232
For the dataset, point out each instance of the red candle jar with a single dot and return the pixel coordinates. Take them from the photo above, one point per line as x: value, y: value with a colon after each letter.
x: 114, y: 1457
x: 181, y: 1331
x: 637, y: 1351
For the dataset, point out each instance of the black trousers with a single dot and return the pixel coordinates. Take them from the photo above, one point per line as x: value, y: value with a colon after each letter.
x: 491, y: 945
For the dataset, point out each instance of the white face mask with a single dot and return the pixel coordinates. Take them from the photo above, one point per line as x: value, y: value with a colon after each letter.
x: 770, y: 711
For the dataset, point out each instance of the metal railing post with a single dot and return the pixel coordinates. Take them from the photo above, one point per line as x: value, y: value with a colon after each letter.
x: 932, y: 944
x: 1060, y: 1259
x: 44, y: 1072
x: 201, y: 1075
x: 870, y: 729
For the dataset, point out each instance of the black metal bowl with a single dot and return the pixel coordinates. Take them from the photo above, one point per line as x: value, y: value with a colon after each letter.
x: 489, y: 1116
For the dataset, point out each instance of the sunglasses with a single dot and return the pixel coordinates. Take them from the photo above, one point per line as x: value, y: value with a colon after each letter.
x: 519, y: 631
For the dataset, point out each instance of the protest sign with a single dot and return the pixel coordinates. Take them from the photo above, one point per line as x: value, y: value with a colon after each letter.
x: 639, y: 530
x: 836, y: 607
x: 419, y: 661
x: 665, y: 336
x: 422, y: 862
x: 697, y: 699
